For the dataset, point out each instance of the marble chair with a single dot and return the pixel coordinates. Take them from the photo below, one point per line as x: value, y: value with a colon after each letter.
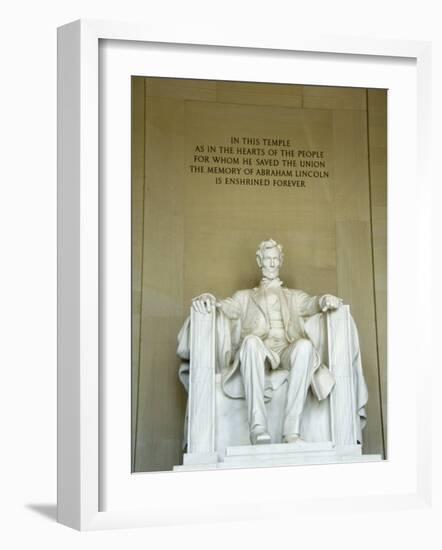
x: 217, y: 432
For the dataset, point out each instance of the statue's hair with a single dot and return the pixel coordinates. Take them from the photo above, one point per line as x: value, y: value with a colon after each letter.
x: 265, y: 245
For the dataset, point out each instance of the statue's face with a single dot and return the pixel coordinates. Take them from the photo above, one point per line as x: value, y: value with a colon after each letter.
x: 271, y: 263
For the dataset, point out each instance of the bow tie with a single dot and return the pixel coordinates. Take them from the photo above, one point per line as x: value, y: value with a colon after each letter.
x: 270, y: 283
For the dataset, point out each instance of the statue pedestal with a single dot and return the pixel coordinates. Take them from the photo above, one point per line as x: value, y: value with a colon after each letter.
x: 280, y: 454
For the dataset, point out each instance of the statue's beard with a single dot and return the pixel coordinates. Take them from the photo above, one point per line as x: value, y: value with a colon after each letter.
x: 269, y: 273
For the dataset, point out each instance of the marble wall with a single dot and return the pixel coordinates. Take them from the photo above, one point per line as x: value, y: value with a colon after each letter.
x: 194, y: 233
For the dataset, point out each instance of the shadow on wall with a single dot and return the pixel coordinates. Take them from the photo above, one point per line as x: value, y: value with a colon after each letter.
x: 49, y: 511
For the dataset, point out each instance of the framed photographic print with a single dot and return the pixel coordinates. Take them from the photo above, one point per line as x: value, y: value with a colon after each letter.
x: 223, y: 215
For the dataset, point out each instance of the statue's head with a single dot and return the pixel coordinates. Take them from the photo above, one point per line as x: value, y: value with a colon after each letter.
x: 269, y: 257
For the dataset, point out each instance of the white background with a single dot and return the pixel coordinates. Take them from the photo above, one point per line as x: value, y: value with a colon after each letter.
x: 28, y: 276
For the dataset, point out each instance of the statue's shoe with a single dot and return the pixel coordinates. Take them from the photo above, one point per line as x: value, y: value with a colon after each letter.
x: 293, y: 438
x: 260, y: 437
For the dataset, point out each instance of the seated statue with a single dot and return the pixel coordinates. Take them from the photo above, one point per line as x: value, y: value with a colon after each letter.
x: 264, y: 340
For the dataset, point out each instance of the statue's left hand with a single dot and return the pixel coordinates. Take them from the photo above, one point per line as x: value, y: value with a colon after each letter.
x: 328, y: 301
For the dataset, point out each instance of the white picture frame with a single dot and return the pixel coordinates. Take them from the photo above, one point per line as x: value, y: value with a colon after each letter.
x: 82, y: 446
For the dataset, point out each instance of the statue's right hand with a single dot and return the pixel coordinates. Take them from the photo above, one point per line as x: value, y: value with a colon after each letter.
x: 204, y: 303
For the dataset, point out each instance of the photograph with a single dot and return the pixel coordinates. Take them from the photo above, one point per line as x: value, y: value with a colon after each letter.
x: 259, y: 274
